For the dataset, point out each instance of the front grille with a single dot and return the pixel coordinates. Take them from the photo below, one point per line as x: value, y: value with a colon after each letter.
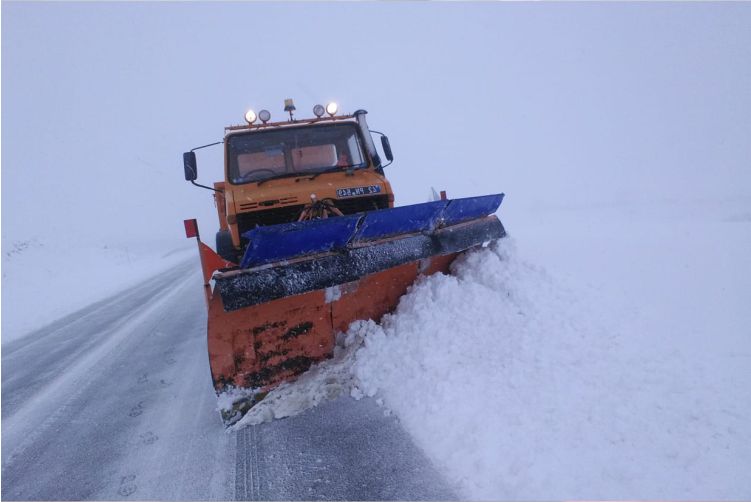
x: 267, y: 203
x: 288, y: 214
x: 360, y: 204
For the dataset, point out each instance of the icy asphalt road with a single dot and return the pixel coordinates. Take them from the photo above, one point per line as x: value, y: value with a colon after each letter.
x: 115, y: 402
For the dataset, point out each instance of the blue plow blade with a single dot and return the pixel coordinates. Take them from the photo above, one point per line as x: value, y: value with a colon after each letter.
x: 276, y: 243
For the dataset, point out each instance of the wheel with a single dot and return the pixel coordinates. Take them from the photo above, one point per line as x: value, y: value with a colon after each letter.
x: 225, y: 248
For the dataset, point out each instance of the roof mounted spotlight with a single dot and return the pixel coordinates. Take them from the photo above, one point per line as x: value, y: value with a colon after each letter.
x: 318, y: 111
x: 289, y: 106
x: 250, y: 116
x: 264, y: 115
x: 332, y: 108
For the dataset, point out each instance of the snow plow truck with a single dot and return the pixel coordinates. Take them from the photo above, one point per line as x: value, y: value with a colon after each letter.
x: 309, y: 241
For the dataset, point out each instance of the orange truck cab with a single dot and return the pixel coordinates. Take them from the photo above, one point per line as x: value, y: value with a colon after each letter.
x: 282, y: 172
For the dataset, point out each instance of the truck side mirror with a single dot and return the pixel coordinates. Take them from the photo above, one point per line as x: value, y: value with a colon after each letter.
x: 387, y: 148
x: 190, y: 165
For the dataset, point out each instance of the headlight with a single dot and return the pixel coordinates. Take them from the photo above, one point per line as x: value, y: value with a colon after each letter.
x: 319, y: 110
x: 332, y: 108
x: 264, y: 115
x: 250, y: 116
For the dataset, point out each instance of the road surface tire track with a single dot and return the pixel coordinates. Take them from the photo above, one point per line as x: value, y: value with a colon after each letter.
x: 247, y: 481
x: 117, y: 404
x: 72, y: 382
x: 112, y: 418
x: 340, y: 450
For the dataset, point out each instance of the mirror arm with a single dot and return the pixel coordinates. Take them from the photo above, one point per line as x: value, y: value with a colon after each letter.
x: 204, y: 146
x: 207, y: 188
x: 382, y: 135
x: 198, y: 184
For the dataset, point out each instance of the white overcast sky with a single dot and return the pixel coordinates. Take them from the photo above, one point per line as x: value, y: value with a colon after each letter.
x: 554, y: 104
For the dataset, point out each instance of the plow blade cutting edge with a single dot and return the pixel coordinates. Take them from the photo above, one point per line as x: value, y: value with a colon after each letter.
x: 299, y: 284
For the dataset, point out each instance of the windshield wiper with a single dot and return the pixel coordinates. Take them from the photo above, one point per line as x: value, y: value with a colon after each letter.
x: 285, y: 175
x: 314, y: 176
x: 330, y: 170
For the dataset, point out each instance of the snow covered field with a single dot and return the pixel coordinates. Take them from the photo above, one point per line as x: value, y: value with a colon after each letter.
x: 599, y: 352
x: 45, y: 280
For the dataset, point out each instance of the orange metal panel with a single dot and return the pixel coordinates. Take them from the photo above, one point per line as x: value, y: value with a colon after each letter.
x: 437, y: 264
x: 222, y: 327
x: 372, y: 296
x: 265, y: 344
x: 221, y: 204
x: 375, y: 295
x: 210, y: 262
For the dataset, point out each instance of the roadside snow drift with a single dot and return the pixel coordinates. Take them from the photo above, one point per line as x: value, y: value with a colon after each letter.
x: 519, y: 387
x: 512, y: 385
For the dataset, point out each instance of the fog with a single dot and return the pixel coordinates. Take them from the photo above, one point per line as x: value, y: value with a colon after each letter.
x: 553, y: 104
x: 609, y: 332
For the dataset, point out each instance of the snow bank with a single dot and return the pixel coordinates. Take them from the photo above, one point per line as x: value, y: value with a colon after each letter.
x: 43, y: 281
x: 521, y: 388
x: 519, y: 383
x: 497, y: 373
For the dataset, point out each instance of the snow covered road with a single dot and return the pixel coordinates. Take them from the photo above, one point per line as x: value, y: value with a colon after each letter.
x: 115, y: 402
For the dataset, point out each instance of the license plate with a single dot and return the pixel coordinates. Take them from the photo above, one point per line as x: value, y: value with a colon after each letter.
x: 357, y: 191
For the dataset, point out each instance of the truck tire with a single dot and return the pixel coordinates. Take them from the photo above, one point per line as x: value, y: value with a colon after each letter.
x: 225, y: 248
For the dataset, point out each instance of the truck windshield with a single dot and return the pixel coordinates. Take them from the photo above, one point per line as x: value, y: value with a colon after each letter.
x: 257, y: 156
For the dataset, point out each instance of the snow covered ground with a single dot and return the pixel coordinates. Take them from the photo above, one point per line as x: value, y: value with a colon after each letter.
x: 43, y: 280
x: 599, y: 352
